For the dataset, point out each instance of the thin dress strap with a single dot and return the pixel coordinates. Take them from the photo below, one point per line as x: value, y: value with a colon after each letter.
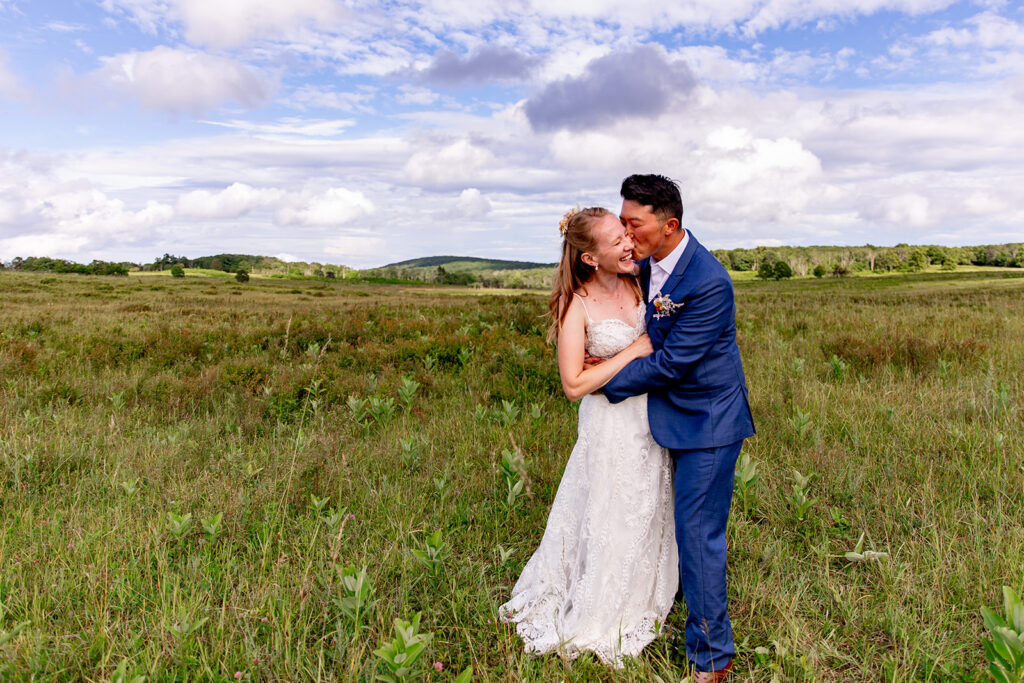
x: 584, y: 302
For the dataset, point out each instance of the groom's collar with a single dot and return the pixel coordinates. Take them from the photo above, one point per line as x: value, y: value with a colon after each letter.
x: 685, y: 256
x: 668, y: 264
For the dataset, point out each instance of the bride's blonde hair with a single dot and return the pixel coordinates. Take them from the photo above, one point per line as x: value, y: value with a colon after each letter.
x: 577, y: 238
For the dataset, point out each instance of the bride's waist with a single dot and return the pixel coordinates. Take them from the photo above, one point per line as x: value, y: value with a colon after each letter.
x: 599, y: 398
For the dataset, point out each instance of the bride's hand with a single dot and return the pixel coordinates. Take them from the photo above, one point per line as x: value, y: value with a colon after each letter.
x: 642, y: 346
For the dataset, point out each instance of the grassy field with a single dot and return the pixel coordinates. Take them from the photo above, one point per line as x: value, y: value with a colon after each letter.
x: 193, y: 473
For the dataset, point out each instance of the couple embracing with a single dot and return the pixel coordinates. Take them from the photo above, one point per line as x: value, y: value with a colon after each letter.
x: 645, y: 325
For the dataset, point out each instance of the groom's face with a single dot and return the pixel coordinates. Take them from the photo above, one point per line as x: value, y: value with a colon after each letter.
x: 648, y: 232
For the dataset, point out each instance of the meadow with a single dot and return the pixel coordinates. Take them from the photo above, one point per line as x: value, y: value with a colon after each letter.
x: 204, y: 480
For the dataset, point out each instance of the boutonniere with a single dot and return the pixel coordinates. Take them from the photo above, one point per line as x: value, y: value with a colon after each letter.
x: 664, y: 306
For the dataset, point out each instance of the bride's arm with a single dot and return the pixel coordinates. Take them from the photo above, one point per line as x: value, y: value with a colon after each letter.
x: 577, y: 380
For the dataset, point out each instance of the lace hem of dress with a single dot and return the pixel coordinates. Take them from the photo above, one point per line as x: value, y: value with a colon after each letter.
x: 543, y: 638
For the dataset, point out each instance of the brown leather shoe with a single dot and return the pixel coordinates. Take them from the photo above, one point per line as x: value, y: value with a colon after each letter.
x: 713, y: 676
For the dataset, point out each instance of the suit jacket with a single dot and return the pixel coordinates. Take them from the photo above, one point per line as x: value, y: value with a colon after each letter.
x: 697, y: 393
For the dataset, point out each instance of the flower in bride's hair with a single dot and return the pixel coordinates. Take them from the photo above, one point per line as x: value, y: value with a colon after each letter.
x: 564, y: 225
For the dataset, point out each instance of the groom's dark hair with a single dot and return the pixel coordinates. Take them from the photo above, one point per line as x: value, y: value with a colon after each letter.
x: 656, y: 191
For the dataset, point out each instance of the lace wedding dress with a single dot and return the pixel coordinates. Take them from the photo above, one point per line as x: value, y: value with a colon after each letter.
x: 606, y: 572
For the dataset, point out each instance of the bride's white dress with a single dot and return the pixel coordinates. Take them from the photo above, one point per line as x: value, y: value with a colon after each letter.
x: 605, y: 574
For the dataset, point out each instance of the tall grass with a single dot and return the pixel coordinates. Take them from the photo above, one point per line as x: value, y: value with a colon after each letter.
x: 194, y: 474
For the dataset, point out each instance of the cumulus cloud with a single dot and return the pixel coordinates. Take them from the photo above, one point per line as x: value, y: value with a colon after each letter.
x: 332, y: 207
x: 234, y: 201
x: 92, y: 213
x: 641, y: 83
x: 458, y: 162
x: 471, y: 204
x: 183, y: 81
x: 335, y: 206
x: 75, y: 220
x: 986, y: 30
x: 230, y: 23
x: 739, y: 176
x: 487, y: 64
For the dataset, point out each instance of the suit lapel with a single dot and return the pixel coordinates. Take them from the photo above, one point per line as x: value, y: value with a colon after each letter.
x: 645, y: 288
x: 677, y: 273
x: 674, y: 278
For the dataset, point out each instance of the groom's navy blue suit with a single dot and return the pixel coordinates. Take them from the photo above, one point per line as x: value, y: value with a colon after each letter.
x: 697, y: 408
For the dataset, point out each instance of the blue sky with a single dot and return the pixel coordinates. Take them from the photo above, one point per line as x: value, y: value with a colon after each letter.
x: 363, y: 133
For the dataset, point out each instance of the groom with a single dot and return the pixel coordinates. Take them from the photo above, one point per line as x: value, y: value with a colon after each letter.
x: 697, y: 401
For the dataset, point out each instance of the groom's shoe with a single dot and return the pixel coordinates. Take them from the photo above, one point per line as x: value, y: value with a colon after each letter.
x: 713, y: 676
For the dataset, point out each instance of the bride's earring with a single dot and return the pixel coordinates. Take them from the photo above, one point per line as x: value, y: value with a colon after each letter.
x: 596, y: 267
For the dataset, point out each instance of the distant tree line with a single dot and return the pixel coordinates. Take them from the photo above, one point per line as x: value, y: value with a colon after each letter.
x: 768, y: 262
x: 533, y: 278
x: 820, y: 261
x: 264, y: 265
x: 56, y: 265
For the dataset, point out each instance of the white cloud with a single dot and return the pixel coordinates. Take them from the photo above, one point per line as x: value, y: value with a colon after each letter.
x: 472, y: 204
x: 183, y: 81
x: 456, y: 163
x: 91, y: 212
x: 45, y: 244
x: 773, y: 14
x: 64, y: 27
x: 410, y: 94
x: 986, y: 30
x: 76, y: 221
x: 235, y: 200
x: 741, y: 177
x: 230, y: 23
x: 314, y: 96
x: 981, y: 203
x: 335, y: 206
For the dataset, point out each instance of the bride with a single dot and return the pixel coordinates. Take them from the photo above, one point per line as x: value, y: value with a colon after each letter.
x: 605, y: 574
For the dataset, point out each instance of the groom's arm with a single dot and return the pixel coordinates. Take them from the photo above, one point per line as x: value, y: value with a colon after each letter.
x: 697, y: 327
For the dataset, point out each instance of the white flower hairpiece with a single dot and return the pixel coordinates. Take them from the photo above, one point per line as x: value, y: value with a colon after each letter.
x: 564, y: 225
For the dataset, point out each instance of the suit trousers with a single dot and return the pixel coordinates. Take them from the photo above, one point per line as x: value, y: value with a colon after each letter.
x: 703, y: 483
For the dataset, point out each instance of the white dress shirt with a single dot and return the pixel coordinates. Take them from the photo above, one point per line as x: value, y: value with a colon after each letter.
x: 660, y: 270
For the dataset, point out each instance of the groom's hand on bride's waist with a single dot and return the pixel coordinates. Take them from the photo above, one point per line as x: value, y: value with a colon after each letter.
x: 591, y: 361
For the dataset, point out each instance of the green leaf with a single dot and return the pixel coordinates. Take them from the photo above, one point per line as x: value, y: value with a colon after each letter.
x: 991, y: 619
x: 466, y: 676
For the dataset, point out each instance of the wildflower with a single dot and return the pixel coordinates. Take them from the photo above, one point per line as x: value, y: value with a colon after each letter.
x: 438, y: 666
x: 238, y: 674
